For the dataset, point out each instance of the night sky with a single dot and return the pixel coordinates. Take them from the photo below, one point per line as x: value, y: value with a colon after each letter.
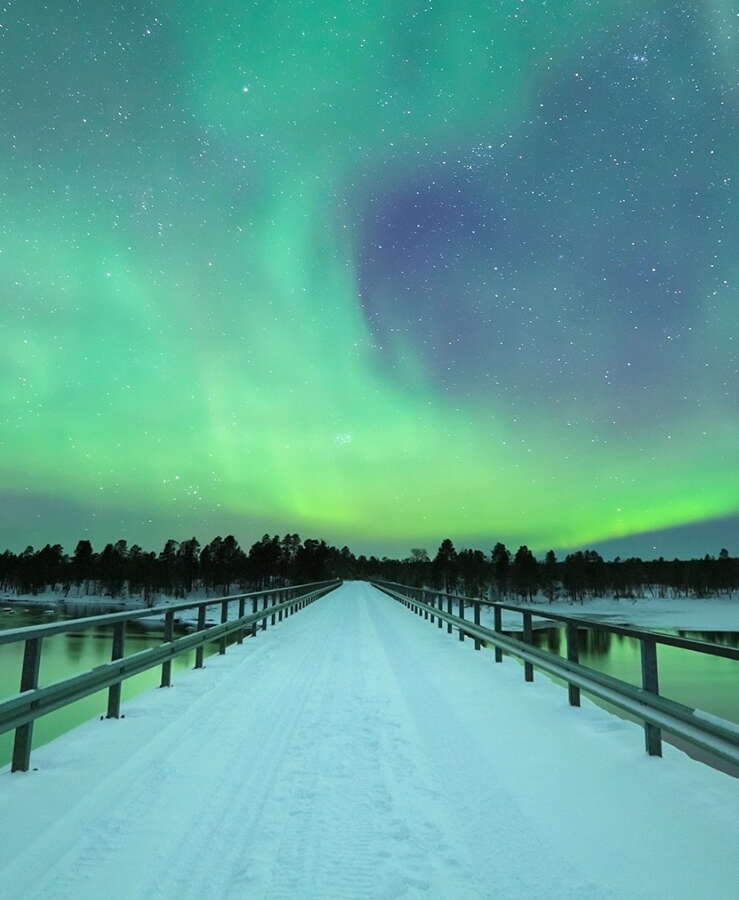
x: 375, y: 272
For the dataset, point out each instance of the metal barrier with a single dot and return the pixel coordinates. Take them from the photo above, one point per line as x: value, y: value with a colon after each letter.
x: 655, y: 711
x: 20, y: 712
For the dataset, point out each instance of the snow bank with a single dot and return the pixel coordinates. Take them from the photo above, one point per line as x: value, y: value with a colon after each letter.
x: 356, y: 751
x: 683, y: 614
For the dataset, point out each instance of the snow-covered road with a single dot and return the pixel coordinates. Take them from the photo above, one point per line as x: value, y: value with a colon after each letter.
x: 356, y: 751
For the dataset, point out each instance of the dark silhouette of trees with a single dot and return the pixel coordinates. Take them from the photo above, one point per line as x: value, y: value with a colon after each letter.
x: 82, y: 564
x: 501, y: 562
x: 445, y: 567
x: 525, y: 573
x: 222, y: 567
x: 548, y: 576
x: 473, y: 571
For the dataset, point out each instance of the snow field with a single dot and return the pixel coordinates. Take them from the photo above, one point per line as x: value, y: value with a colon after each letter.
x: 357, y: 751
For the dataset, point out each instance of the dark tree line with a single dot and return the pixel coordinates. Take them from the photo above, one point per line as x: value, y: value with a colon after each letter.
x: 581, y: 574
x: 223, y: 567
x: 220, y: 567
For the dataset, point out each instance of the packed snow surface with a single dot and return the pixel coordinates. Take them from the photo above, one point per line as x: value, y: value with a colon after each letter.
x: 355, y: 750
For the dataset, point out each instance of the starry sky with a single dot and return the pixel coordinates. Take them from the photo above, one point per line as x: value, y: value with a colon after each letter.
x: 380, y: 272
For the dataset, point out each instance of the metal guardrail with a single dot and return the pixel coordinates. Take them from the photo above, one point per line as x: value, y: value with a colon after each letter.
x: 657, y: 713
x: 20, y: 712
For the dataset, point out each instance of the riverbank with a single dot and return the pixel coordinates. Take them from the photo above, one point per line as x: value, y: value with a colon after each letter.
x: 661, y: 613
x: 78, y: 606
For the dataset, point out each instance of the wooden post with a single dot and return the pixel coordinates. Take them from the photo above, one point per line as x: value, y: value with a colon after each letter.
x: 273, y: 598
x: 498, y: 626
x: 114, y: 691
x: 254, y: 605
x: 264, y: 607
x: 650, y: 682
x: 449, y: 610
x: 573, y: 655
x: 242, y: 610
x: 201, y: 627
x: 281, y: 595
x: 477, y: 622
x: 421, y: 599
x: 461, y: 616
x: 29, y: 682
x: 224, y: 619
x: 528, y: 637
x: 430, y: 602
x: 440, y: 603
x: 168, y: 637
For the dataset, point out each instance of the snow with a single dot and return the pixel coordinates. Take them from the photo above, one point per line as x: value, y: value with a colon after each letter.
x: 98, y: 604
x: 674, y: 613
x: 357, y: 751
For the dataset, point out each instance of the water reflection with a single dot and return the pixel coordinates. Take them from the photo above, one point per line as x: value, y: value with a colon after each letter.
x: 727, y: 638
x: 553, y: 640
x: 70, y: 654
x: 74, y: 647
x: 697, y: 680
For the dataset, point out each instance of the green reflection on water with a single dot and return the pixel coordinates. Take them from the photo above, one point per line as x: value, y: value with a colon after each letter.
x: 65, y: 655
x: 694, y: 679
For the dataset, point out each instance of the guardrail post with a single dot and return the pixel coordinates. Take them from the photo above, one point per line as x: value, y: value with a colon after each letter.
x: 168, y: 636
x: 273, y: 598
x: 528, y: 637
x: 201, y: 627
x: 421, y: 599
x: 242, y: 610
x: 573, y: 655
x: 498, y: 627
x: 432, y: 617
x: 264, y: 607
x: 281, y: 595
x: 224, y: 619
x: 461, y: 616
x: 254, y: 605
x: 449, y: 610
x: 650, y: 682
x: 477, y: 622
x: 440, y: 603
x: 114, y: 691
x: 29, y: 682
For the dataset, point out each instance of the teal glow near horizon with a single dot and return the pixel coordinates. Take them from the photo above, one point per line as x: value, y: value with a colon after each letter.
x: 379, y: 273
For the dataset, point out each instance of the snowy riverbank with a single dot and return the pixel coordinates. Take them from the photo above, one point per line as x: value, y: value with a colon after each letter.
x: 663, y: 614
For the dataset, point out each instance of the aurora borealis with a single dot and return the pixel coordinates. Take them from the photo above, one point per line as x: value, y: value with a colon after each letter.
x: 377, y: 272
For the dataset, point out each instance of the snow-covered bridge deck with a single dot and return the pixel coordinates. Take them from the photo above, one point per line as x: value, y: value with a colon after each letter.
x: 351, y: 752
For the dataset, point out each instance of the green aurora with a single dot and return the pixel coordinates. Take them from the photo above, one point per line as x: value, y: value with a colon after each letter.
x: 204, y: 329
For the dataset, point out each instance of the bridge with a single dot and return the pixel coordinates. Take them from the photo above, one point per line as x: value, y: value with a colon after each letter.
x: 356, y: 750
